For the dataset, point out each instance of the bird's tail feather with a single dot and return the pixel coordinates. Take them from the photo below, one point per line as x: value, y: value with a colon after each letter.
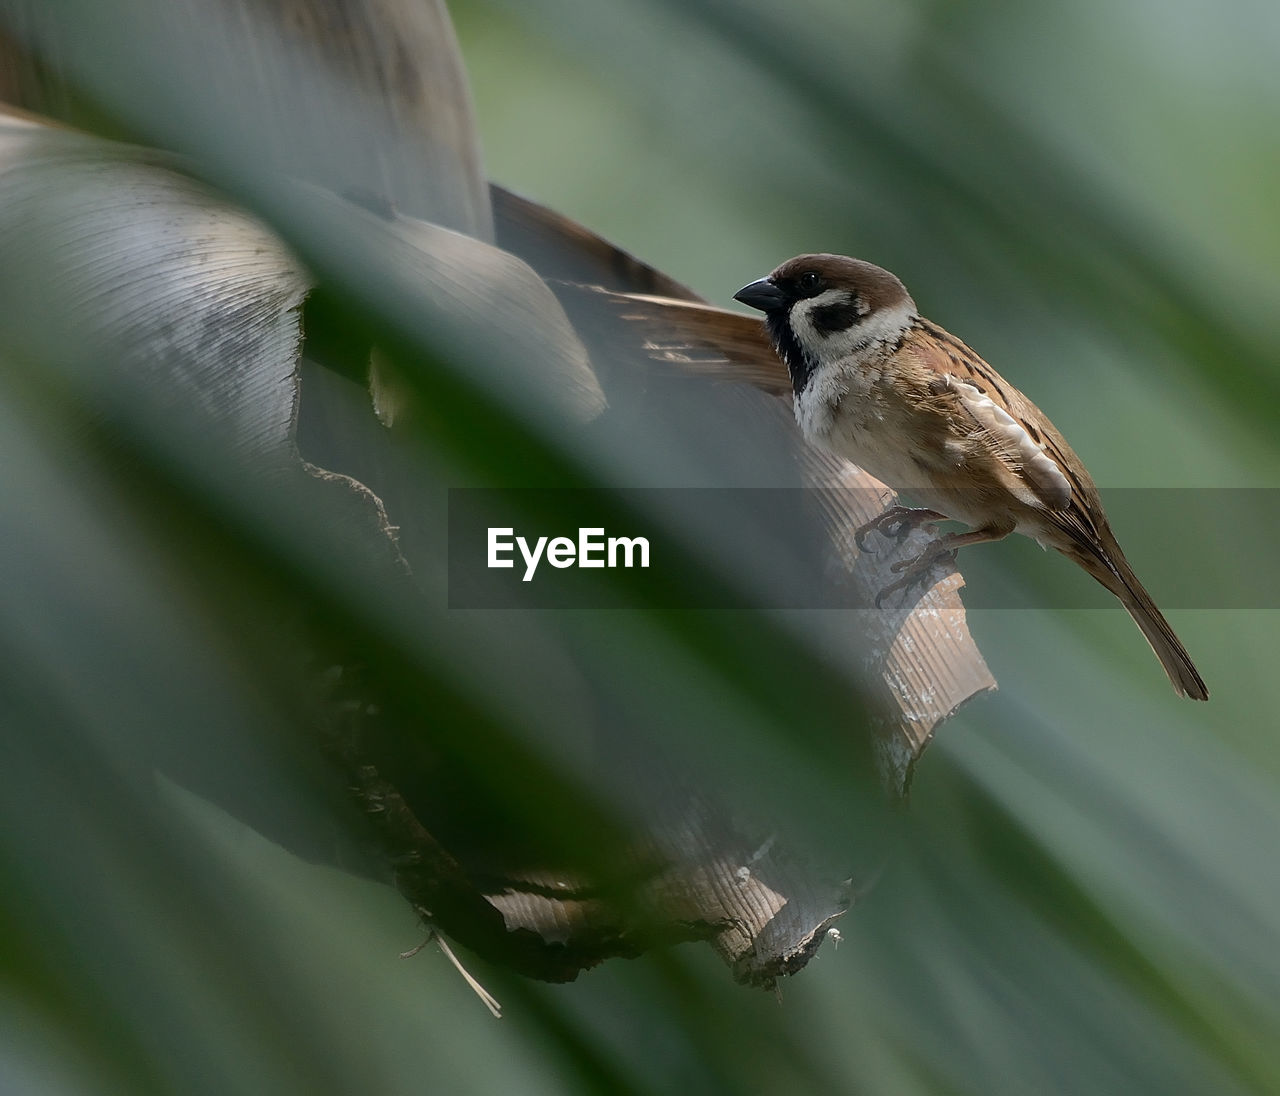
x: 1121, y: 581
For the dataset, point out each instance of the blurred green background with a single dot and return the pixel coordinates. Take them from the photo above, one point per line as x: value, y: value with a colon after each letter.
x: 1087, y: 895
x: 1085, y: 193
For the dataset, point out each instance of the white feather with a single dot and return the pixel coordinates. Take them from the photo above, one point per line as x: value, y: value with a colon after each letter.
x: 843, y: 407
x: 1051, y: 485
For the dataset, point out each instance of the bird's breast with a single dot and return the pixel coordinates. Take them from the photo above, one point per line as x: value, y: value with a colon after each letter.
x: 854, y: 413
x: 862, y: 415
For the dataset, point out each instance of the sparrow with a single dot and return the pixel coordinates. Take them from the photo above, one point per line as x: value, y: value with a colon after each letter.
x: 876, y: 383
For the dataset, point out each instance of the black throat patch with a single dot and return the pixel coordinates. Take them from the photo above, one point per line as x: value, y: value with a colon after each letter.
x: 799, y: 364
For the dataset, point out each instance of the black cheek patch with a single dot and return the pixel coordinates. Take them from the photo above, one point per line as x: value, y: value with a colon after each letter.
x: 831, y: 318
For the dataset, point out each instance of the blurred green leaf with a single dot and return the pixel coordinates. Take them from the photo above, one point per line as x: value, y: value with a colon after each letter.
x: 1082, y: 897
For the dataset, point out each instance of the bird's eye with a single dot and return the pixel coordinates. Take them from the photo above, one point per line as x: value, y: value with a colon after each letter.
x: 810, y: 283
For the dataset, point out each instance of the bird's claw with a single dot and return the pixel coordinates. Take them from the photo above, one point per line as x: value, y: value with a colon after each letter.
x: 915, y: 571
x: 896, y: 523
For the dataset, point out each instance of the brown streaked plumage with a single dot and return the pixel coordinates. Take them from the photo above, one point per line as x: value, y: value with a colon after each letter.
x: 901, y: 397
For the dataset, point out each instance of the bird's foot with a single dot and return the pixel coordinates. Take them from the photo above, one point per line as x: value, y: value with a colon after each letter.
x: 916, y: 571
x: 896, y: 523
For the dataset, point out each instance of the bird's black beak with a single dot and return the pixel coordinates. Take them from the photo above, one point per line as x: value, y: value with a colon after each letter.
x: 762, y: 294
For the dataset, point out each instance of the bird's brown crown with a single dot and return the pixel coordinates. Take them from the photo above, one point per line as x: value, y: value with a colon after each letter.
x: 810, y: 275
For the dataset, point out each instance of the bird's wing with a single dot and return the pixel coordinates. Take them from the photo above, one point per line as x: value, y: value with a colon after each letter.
x: 698, y: 339
x: 1030, y: 456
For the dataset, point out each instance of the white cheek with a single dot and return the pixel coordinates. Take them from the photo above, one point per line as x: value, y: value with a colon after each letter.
x: 802, y: 317
x: 886, y: 325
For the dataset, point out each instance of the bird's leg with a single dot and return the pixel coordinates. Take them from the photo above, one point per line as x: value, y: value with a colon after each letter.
x: 916, y: 570
x: 896, y: 522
